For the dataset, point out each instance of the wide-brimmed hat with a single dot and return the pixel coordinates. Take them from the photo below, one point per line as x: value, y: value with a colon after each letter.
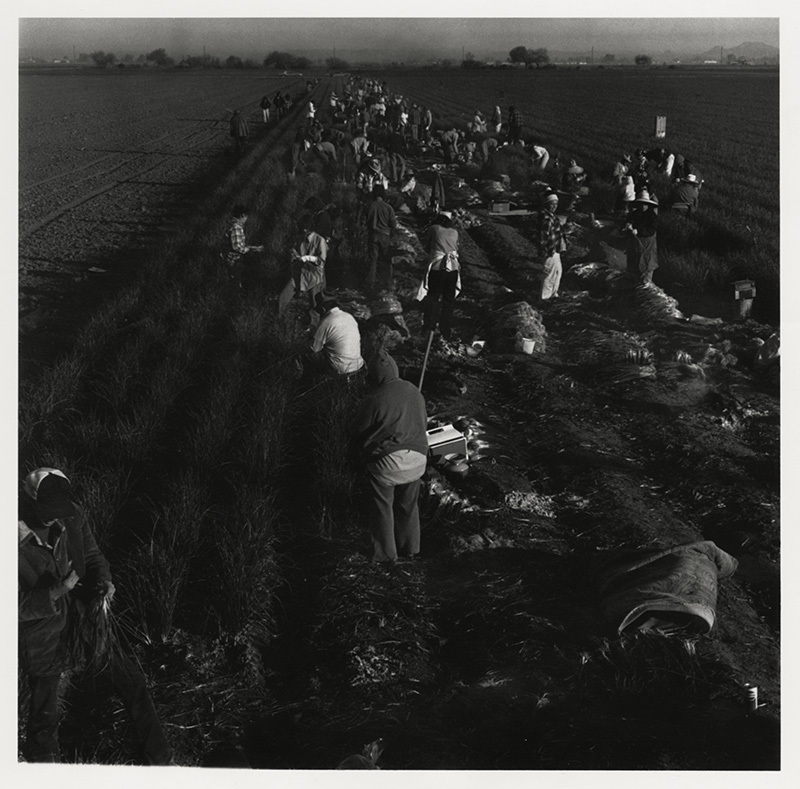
x: 574, y: 168
x: 644, y: 197
x: 550, y: 197
x: 691, y: 178
x: 626, y: 157
x: 50, y: 492
x: 374, y: 165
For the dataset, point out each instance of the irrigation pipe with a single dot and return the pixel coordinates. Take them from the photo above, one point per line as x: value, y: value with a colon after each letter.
x: 425, y: 360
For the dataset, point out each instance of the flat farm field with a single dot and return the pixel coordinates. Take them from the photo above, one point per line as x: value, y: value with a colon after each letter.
x: 725, y: 121
x: 108, y: 160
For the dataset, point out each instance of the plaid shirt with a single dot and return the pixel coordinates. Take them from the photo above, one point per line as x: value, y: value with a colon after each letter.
x: 237, y: 237
x: 515, y: 118
x: 551, y: 236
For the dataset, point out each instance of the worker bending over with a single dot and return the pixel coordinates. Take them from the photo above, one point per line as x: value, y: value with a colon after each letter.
x: 390, y: 431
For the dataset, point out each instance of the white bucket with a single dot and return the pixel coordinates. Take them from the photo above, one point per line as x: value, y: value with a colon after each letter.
x: 526, y: 345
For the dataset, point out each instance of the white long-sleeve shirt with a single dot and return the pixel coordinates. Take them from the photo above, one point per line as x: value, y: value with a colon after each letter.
x: 338, y: 337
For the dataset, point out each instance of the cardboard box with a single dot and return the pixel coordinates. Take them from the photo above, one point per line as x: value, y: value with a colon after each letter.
x: 446, y: 440
x: 744, y: 289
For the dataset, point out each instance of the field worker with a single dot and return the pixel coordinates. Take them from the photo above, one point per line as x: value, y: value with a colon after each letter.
x: 686, y: 194
x: 65, y: 588
x: 551, y: 243
x: 307, y: 269
x: 627, y: 195
x: 641, y: 227
x: 478, y: 123
x: 663, y: 160
x: 681, y: 167
x: 409, y: 183
x: 360, y: 147
x: 238, y: 245
x: 641, y: 177
x: 239, y: 131
x: 265, y: 105
x: 442, y: 281
x: 497, y: 119
x: 279, y: 103
x: 311, y: 112
x: 381, y: 220
x: 396, y: 148
x: 336, y: 347
x: 299, y: 145
x: 621, y: 169
x: 371, y: 176
x: 488, y: 147
x: 539, y: 158
x: 449, y: 140
x: 427, y: 124
x: 514, y: 126
x: 390, y: 435
x: 414, y: 119
x: 326, y: 151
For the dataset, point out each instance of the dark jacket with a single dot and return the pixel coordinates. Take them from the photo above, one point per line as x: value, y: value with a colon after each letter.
x: 392, y: 417
x: 42, y: 620
x: 381, y: 218
x: 645, y: 222
x: 686, y: 194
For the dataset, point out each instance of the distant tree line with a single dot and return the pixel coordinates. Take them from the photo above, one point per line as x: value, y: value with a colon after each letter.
x: 530, y: 57
x: 159, y: 58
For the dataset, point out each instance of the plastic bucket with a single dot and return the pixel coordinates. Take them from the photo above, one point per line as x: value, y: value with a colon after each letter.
x: 526, y: 345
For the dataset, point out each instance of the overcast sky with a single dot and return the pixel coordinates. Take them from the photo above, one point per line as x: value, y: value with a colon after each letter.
x: 254, y: 37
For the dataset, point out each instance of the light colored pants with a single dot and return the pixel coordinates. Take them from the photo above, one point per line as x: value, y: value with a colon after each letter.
x: 265, y: 113
x: 552, y: 276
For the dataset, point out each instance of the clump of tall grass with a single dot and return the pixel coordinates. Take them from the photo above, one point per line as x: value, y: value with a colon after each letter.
x: 334, y: 486
x: 45, y: 406
x: 102, y: 492
x: 647, y: 667
x: 157, y: 572
x: 258, y: 443
x: 204, y: 442
x: 245, y: 569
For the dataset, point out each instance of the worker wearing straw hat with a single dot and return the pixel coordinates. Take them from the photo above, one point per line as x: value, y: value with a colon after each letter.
x: 686, y: 194
x: 641, y: 227
x: 65, y: 591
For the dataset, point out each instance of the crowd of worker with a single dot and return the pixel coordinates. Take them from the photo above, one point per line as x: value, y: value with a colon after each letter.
x: 364, y: 136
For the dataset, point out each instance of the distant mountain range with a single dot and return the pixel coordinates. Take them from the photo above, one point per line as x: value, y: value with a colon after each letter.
x: 750, y: 50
